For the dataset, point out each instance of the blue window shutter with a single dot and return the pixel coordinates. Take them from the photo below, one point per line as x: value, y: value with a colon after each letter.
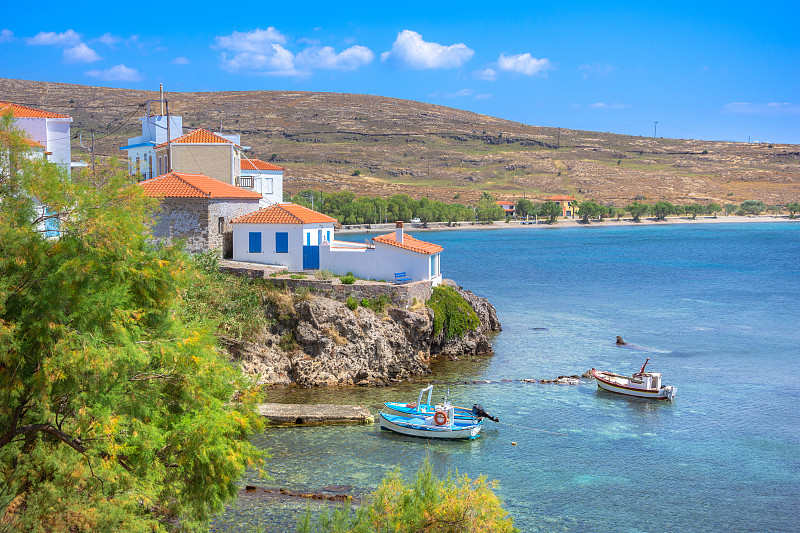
x: 308, y: 239
x: 282, y: 242
x: 255, y: 242
x: 329, y: 235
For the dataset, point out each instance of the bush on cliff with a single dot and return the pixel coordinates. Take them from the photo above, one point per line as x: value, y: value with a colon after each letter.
x: 455, y: 504
x: 451, y: 313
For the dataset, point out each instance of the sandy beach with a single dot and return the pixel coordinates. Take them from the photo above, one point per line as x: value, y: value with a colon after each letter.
x: 566, y: 223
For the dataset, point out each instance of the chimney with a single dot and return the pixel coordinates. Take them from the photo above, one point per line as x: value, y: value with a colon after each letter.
x: 398, y: 232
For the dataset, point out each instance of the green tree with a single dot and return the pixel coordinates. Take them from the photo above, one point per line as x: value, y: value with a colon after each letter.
x: 523, y: 208
x: 551, y: 211
x: 753, y: 207
x: 488, y: 211
x: 793, y: 208
x: 637, y: 210
x: 695, y: 209
x: 661, y: 209
x: 730, y: 208
x: 456, y: 504
x: 713, y: 208
x: 114, y: 415
x: 589, y: 209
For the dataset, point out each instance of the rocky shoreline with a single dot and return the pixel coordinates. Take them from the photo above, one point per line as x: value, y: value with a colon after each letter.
x: 321, y: 342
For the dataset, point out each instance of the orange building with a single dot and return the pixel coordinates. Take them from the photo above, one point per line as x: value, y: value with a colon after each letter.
x: 566, y: 202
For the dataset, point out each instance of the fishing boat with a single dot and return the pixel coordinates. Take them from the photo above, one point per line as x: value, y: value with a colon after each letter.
x: 642, y: 384
x: 442, y: 424
x: 419, y: 409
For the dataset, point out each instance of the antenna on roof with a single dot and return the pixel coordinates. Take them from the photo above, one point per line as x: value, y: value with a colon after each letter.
x: 161, y: 97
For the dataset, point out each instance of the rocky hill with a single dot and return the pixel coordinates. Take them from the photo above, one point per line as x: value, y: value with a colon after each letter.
x: 426, y: 150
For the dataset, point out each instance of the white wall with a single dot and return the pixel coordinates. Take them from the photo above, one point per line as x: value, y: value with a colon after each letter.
x: 381, y: 262
x: 297, y: 239
x: 268, y: 183
x: 52, y: 133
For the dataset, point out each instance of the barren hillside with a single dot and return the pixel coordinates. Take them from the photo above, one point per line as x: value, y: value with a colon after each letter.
x: 428, y: 150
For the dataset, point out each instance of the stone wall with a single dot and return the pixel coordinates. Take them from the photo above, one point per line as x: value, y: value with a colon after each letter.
x: 183, y: 218
x: 400, y: 295
x: 227, y: 210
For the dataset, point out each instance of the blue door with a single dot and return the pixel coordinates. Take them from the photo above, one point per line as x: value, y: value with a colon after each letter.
x: 310, y: 257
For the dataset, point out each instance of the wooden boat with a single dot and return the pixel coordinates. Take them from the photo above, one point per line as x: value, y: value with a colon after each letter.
x: 642, y: 384
x: 419, y: 409
x: 441, y: 425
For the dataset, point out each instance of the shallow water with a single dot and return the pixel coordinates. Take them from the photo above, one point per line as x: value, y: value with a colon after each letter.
x: 715, y: 308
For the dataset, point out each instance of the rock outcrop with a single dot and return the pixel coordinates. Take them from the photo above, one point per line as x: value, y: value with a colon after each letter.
x: 320, y: 341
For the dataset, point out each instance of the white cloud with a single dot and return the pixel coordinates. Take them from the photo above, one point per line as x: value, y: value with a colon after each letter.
x: 596, y: 70
x: 116, y: 73
x: 256, y: 41
x: 487, y: 74
x: 523, y: 64
x: 409, y: 48
x: 6, y: 36
x: 108, y: 39
x: 603, y: 105
x: 80, y: 54
x: 67, y: 38
x: 483, y: 96
x: 326, y: 57
x: 770, y: 108
x: 181, y: 60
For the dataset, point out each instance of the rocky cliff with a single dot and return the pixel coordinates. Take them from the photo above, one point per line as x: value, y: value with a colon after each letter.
x: 320, y: 341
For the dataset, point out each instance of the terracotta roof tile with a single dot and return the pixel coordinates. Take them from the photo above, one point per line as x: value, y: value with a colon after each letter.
x: 179, y: 185
x: 199, y: 136
x: 284, y: 214
x: 21, y: 111
x: 409, y: 243
x: 257, y: 164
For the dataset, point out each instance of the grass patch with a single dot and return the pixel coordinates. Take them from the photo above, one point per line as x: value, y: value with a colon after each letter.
x: 451, y: 313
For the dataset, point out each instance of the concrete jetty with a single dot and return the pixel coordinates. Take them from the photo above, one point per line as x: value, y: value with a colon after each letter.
x: 293, y: 414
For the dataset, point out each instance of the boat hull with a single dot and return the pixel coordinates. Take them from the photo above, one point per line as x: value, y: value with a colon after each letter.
x: 416, y: 427
x: 401, y: 409
x: 663, y: 393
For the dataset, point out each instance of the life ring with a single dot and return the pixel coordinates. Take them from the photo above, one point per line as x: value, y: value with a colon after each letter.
x: 412, y: 404
x: 440, y: 418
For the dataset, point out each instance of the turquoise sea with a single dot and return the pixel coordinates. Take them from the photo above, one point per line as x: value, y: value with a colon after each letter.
x: 716, y: 308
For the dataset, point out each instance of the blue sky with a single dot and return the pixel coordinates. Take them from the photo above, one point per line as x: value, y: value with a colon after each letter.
x: 713, y: 70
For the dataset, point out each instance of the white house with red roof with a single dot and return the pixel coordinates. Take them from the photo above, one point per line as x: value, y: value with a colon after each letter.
x: 198, y: 209
x: 262, y: 177
x: 508, y: 207
x: 298, y: 238
x: 49, y: 130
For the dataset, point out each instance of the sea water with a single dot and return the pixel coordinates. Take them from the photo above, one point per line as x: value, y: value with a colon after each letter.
x: 716, y: 308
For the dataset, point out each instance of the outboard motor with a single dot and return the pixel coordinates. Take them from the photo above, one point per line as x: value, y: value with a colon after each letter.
x: 478, y: 410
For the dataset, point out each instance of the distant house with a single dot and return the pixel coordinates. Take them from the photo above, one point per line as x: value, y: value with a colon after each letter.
x: 508, y: 207
x: 262, y: 177
x: 202, y: 152
x: 282, y: 234
x: 566, y: 202
x: 198, y: 209
x: 142, y: 159
x: 48, y: 130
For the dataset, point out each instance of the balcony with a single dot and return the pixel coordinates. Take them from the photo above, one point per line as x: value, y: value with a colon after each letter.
x: 245, y: 182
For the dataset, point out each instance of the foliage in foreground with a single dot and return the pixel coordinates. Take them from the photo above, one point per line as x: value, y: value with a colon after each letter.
x: 453, y: 505
x: 451, y: 313
x: 114, y: 415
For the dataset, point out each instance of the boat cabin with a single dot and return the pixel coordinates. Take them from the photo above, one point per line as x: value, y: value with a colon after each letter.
x: 647, y: 380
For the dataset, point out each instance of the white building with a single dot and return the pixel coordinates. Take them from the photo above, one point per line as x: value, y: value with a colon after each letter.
x: 264, y: 178
x: 282, y: 234
x: 50, y: 130
x: 141, y: 149
x: 298, y: 238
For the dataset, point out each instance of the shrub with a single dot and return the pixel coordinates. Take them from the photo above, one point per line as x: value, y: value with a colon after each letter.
x: 288, y: 343
x: 451, y: 313
x: 356, y: 173
x: 297, y: 276
x: 378, y: 305
x: 302, y: 294
x: 352, y: 303
x: 349, y: 279
x: 324, y: 274
x: 427, y: 503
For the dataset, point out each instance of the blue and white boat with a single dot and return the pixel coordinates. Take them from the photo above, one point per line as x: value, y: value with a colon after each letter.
x: 419, y: 409
x: 442, y: 424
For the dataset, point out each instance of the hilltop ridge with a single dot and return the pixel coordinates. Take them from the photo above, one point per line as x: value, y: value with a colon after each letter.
x: 422, y: 149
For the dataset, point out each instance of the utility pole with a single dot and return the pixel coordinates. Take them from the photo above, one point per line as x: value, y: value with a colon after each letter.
x: 169, y: 139
x: 558, y: 143
x: 655, y: 128
x: 93, y: 168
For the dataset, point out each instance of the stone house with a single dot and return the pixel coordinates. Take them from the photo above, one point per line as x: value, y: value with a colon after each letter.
x: 198, y: 209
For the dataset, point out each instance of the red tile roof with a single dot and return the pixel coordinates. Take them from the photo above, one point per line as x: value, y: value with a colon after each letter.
x: 284, y: 214
x: 409, y: 243
x: 179, y: 185
x: 257, y: 164
x: 21, y: 111
x: 560, y: 198
x: 199, y: 136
